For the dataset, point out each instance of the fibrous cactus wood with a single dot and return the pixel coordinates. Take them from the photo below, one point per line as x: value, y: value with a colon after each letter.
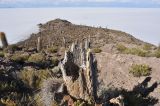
x: 79, y: 72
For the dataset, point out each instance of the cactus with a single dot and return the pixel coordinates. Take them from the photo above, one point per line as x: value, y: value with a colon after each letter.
x: 39, y: 44
x: 79, y: 73
x: 3, y: 39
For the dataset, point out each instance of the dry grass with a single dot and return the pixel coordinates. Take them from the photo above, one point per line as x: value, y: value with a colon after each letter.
x: 136, y: 51
x: 121, y: 47
x: 37, y: 58
x: 34, y: 78
x: 20, y: 57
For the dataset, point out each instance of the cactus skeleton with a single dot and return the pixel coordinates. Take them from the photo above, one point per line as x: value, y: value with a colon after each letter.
x: 78, y: 72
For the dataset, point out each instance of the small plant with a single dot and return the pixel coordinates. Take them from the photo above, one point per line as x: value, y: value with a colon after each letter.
x: 97, y: 50
x: 52, y: 49
x: 140, y: 70
x: 121, y: 47
x: 1, y: 54
x: 37, y: 58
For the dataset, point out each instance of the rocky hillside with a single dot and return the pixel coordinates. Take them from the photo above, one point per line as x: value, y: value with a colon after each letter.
x: 54, y: 32
x: 73, y: 65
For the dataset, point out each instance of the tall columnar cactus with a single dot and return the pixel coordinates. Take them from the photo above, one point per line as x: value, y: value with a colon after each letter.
x: 64, y: 42
x: 78, y: 72
x: 39, y: 44
x: 3, y: 39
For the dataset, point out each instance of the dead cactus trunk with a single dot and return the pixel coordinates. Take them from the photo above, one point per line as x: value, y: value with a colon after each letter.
x: 79, y: 71
x: 39, y: 44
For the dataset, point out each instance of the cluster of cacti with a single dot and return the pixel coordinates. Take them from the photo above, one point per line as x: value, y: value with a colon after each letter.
x: 79, y: 72
x: 3, y: 39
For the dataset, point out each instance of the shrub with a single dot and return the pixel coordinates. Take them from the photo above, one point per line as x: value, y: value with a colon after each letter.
x: 1, y: 54
x: 157, y: 53
x: 20, y: 57
x: 37, y: 58
x: 121, y: 47
x: 34, y: 78
x: 97, y: 50
x: 136, y: 51
x: 147, y: 47
x: 52, y: 49
x: 140, y: 70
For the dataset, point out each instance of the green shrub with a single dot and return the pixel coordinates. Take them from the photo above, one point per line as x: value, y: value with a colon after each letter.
x: 37, y: 58
x: 97, y: 50
x: 121, y: 47
x: 20, y: 57
x: 1, y: 54
x: 136, y: 51
x: 53, y: 49
x: 140, y: 70
x: 157, y: 53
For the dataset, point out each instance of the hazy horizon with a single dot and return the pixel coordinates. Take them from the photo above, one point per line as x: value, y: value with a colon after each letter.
x: 142, y: 23
x: 79, y: 3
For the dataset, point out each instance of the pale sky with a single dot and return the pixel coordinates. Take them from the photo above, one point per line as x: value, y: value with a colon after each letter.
x: 79, y: 3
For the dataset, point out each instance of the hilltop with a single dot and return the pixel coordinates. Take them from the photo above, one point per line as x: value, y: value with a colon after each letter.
x: 54, y: 31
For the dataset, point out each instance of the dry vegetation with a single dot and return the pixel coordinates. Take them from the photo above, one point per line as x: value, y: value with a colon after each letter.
x: 145, y: 51
x: 140, y: 70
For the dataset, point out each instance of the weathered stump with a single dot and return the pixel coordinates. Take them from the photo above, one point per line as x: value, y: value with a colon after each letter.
x: 79, y: 73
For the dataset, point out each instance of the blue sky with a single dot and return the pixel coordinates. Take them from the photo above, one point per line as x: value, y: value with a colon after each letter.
x: 80, y: 3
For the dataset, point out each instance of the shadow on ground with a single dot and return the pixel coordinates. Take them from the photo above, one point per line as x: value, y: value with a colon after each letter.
x: 139, y: 96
